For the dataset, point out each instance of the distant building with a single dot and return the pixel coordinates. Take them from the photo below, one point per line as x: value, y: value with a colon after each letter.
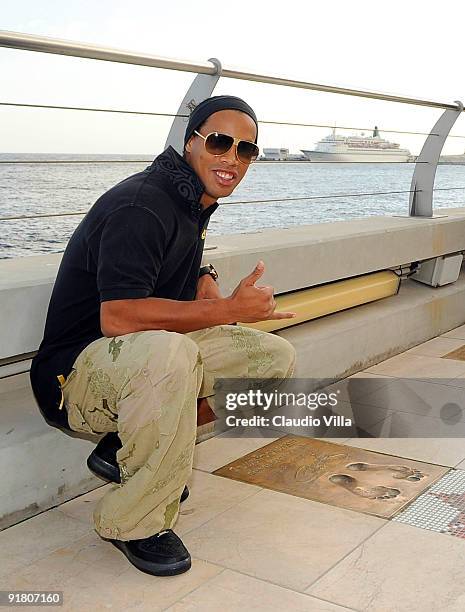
x: 275, y: 154
x: 296, y: 157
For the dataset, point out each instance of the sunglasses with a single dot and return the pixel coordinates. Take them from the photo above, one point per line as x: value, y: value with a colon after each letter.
x: 218, y: 144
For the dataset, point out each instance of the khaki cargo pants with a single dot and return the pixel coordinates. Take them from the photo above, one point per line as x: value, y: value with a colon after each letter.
x: 145, y: 385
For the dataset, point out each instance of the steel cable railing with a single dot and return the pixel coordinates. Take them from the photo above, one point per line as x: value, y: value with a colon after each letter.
x: 174, y: 115
x: 236, y: 202
x: 422, y: 181
x: 73, y: 161
x: 140, y: 161
x: 90, y: 109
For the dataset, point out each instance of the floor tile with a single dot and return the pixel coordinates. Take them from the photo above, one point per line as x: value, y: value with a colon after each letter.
x: 32, y: 539
x: 362, y: 416
x: 15, y: 382
x: 458, y: 332
x: 209, y: 495
x: 447, y: 452
x: 56, y: 570
x: 215, y: 452
x: 420, y: 397
x: 235, y: 593
x: 458, y: 381
x: 357, y: 387
x: 407, y: 365
x: 400, y: 568
x: 436, y: 347
x: 441, y: 508
x: 460, y: 466
x: 280, y: 538
x: 134, y: 590
x: 408, y: 425
x: 82, y: 507
x: 94, y: 575
x: 335, y: 474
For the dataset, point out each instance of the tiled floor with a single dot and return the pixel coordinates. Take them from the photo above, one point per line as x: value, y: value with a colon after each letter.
x: 441, y: 508
x: 258, y: 549
x: 399, y: 569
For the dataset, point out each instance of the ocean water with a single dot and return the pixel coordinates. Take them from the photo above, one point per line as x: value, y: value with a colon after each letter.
x: 31, y: 188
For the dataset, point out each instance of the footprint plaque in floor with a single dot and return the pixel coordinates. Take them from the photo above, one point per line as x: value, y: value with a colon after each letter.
x: 397, y: 471
x: 356, y: 487
x: 335, y: 474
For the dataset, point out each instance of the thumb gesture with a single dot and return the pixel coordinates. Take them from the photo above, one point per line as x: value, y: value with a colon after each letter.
x: 253, y: 277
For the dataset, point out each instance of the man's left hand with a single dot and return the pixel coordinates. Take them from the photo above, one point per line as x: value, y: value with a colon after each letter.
x: 207, y: 288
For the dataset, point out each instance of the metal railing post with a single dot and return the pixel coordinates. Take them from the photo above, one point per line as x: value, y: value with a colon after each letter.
x: 421, y: 196
x: 201, y: 88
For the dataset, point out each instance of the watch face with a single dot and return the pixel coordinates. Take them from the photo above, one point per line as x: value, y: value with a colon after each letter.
x: 208, y: 269
x: 213, y: 272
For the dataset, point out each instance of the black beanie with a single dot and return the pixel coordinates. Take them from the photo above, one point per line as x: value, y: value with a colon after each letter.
x: 212, y: 105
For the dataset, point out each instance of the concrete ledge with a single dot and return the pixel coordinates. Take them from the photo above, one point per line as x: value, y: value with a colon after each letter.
x: 41, y: 466
x: 25, y: 287
x: 294, y: 258
x: 343, y: 343
x: 314, y: 254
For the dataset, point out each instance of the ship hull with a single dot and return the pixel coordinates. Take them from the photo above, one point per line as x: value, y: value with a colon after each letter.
x: 356, y: 156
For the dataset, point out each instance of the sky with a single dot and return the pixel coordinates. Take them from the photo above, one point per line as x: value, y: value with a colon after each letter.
x: 403, y: 47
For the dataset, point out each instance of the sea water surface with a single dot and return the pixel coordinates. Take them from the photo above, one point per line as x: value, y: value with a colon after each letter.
x: 45, y: 188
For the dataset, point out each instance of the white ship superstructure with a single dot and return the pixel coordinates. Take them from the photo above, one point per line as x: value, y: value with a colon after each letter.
x: 357, y: 149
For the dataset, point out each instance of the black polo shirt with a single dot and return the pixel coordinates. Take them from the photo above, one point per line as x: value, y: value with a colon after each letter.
x: 142, y: 238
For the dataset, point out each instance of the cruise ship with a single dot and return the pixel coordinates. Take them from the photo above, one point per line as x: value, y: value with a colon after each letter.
x: 362, y: 148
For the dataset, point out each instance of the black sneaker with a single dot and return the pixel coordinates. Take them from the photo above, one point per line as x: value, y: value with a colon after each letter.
x: 102, y: 460
x: 162, y: 554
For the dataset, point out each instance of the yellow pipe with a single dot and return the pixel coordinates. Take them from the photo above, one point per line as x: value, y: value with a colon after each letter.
x: 323, y: 300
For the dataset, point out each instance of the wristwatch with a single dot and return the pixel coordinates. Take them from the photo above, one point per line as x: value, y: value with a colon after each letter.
x: 208, y: 269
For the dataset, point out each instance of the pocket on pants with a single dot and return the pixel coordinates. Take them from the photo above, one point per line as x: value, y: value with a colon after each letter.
x: 76, y: 420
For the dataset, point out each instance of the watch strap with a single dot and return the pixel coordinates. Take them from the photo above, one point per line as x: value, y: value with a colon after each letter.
x: 208, y: 269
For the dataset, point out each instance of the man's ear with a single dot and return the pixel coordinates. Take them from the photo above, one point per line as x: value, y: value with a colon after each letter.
x: 188, y: 147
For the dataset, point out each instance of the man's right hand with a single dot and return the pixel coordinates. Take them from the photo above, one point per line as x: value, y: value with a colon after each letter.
x: 251, y: 304
x: 246, y: 304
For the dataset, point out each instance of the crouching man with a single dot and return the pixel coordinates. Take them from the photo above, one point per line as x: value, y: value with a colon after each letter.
x: 136, y: 331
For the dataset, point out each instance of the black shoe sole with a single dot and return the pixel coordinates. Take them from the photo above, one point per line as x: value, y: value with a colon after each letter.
x: 110, y: 472
x: 184, y: 494
x: 148, y: 567
x: 102, y: 468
